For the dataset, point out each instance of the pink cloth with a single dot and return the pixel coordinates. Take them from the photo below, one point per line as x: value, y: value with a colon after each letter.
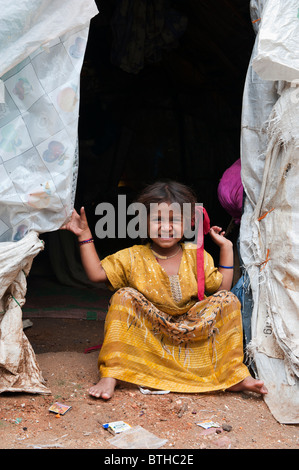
x: 230, y: 191
x: 203, y: 225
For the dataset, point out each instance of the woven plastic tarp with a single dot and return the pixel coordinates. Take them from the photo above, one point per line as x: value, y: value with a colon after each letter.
x: 269, y: 242
x: 42, y: 50
x: 277, y: 55
x: 19, y: 370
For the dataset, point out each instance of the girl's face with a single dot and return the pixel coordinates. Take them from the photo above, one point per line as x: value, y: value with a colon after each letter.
x: 165, y: 224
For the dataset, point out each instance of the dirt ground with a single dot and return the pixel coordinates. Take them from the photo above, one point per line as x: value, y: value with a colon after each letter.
x: 245, y: 421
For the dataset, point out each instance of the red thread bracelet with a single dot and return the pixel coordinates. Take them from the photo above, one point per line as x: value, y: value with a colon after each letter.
x: 89, y: 240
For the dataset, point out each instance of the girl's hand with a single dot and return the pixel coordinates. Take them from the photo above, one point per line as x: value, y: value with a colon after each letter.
x: 226, y: 256
x: 217, y: 235
x: 78, y: 224
x: 90, y: 259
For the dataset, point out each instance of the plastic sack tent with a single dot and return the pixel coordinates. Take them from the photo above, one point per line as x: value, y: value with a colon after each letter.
x: 42, y: 49
x: 269, y: 242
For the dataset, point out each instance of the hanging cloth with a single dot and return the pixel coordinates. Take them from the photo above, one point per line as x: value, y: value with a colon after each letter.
x: 202, y: 221
x: 230, y: 191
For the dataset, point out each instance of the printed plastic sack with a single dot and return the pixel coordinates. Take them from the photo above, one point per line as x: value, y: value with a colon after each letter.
x: 42, y: 47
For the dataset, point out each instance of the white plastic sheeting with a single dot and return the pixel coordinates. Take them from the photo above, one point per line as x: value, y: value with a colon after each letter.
x: 42, y: 45
x: 269, y: 241
x: 19, y: 370
x: 277, y: 50
x: 42, y: 49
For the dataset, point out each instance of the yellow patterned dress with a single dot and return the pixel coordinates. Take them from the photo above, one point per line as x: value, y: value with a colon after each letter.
x: 157, y: 333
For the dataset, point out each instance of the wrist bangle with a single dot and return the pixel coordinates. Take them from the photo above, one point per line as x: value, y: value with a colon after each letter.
x: 226, y: 267
x: 89, y: 240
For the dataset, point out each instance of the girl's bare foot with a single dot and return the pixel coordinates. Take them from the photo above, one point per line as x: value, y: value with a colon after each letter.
x: 250, y: 384
x: 104, y: 388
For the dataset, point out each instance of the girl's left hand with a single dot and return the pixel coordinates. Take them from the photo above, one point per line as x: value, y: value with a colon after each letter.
x: 217, y: 235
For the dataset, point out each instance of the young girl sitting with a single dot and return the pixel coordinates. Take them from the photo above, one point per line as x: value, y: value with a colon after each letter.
x: 158, y: 332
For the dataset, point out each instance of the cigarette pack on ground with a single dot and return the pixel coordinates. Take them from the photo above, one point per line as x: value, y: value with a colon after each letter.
x: 116, y: 427
x: 59, y: 408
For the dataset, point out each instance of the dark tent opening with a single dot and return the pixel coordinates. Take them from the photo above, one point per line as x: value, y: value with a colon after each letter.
x: 156, y: 102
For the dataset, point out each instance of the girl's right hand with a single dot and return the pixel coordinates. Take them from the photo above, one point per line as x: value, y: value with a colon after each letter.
x: 78, y: 224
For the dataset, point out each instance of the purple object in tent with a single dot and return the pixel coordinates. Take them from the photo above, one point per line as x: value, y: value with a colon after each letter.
x: 230, y: 191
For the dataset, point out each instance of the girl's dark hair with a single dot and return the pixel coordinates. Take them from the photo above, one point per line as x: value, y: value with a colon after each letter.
x: 169, y: 191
